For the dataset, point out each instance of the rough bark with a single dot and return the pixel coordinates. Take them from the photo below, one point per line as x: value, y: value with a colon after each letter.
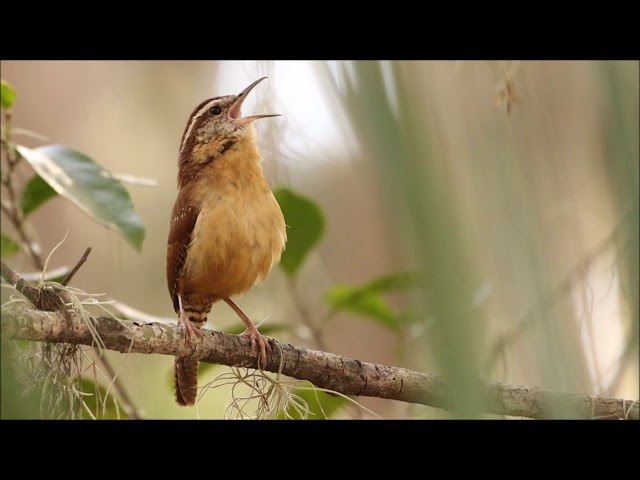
x: 345, y: 375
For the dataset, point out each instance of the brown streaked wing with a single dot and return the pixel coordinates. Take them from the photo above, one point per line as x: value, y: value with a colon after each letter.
x: 183, y: 219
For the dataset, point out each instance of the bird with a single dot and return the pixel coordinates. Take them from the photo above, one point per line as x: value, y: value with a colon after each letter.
x: 226, y: 228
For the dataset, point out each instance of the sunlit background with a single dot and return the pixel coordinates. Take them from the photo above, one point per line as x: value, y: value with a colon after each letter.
x: 510, y: 187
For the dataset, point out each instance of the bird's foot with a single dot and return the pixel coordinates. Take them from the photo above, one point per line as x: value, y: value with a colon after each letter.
x: 188, y: 328
x: 257, y: 339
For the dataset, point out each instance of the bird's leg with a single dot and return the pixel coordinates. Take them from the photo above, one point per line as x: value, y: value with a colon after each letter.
x: 251, y: 331
x: 186, y: 325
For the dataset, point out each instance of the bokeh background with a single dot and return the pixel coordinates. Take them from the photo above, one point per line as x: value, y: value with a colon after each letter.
x: 512, y: 187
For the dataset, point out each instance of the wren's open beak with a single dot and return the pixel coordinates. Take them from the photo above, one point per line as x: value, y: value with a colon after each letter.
x: 234, y: 111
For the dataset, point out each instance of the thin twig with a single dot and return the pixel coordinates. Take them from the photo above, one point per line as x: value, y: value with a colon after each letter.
x: 19, y: 283
x: 75, y: 269
x: 11, y: 208
x: 15, y: 218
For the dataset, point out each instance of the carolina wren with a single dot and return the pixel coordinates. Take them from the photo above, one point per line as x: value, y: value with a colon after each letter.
x: 227, y: 229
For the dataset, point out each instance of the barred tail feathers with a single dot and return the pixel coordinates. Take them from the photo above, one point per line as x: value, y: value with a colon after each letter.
x: 186, y: 369
x: 186, y: 381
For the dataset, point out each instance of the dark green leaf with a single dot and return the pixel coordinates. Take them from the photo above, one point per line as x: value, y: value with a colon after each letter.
x: 35, y: 193
x: 8, y: 247
x: 305, y: 225
x: 7, y: 94
x: 94, y: 400
x: 89, y: 186
x: 315, y: 400
x: 364, y: 301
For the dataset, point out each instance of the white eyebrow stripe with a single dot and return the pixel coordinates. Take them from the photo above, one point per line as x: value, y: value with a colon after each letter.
x: 195, y: 118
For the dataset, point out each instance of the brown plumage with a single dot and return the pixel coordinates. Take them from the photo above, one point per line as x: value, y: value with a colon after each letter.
x: 227, y: 230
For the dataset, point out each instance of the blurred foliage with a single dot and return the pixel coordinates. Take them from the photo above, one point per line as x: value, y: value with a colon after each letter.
x: 14, y: 403
x: 7, y: 94
x: 362, y: 301
x: 396, y: 138
x: 305, y: 225
x: 8, y: 246
x: 623, y: 148
x: 36, y: 192
x: 366, y: 299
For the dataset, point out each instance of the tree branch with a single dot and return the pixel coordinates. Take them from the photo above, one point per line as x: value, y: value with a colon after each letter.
x: 326, y: 370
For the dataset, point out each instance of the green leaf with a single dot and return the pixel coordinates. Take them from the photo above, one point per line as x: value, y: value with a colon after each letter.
x: 394, y: 281
x: 89, y: 186
x: 318, y: 402
x: 95, y: 398
x: 364, y: 301
x: 305, y: 225
x: 8, y: 247
x: 36, y: 192
x: 7, y: 94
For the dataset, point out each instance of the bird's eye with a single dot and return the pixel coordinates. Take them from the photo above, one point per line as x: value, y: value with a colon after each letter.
x: 215, y: 110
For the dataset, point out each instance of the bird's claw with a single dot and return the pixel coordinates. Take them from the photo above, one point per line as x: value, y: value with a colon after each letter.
x: 188, y: 329
x: 257, y: 339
